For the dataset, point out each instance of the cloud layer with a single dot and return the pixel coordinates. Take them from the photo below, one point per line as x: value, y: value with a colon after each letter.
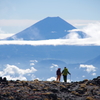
x: 92, y: 38
x: 4, y: 34
x: 89, y: 68
x: 12, y: 72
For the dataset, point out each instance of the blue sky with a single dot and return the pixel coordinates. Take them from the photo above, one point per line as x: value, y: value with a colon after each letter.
x: 38, y: 9
x: 16, y: 15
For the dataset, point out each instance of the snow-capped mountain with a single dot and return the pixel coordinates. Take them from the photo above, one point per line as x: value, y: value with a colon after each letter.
x: 48, y: 28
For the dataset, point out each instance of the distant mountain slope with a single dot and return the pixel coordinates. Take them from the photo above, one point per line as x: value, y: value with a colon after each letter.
x: 48, y: 59
x: 66, y: 53
x: 48, y: 28
x: 95, y: 61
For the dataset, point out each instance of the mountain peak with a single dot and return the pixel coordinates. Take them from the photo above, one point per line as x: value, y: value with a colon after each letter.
x: 47, y: 28
x: 53, y: 17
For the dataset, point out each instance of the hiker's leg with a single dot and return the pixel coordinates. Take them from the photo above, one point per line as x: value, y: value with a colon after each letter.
x: 64, y: 77
x: 59, y: 77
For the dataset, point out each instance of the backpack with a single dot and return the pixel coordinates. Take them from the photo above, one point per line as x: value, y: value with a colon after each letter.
x: 65, y: 71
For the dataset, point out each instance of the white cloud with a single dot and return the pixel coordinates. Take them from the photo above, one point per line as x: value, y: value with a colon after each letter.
x: 51, y: 79
x: 33, y: 62
x: 9, y: 77
x: 89, y: 68
x: 13, y: 72
x: 4, y: 34
x: 53, y: 32
x: 92, y: 30
x: 83, y: 76
x: 73, y: 35
x: 54, y: 67
x: 93, y: 74
x: 68, y: 80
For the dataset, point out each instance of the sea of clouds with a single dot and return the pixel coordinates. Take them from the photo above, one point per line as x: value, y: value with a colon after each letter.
x: 12, y: 72
x: 92, y: 37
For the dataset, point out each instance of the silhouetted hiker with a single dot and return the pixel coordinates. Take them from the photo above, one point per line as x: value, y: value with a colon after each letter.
x: 58, y: 73
x: 65, y: 72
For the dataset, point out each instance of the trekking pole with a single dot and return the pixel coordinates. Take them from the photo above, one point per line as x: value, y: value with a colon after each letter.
x: 70, y: 77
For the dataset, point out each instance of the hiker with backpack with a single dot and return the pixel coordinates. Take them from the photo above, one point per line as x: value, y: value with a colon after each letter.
x: 65, y: 72
x: 58, y: 73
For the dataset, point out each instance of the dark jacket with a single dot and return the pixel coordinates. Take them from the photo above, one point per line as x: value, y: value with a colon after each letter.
x: 58, y: 72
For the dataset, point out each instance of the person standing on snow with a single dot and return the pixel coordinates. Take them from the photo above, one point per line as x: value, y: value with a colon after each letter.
x: 58, y: 73
x: 65, y: 72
